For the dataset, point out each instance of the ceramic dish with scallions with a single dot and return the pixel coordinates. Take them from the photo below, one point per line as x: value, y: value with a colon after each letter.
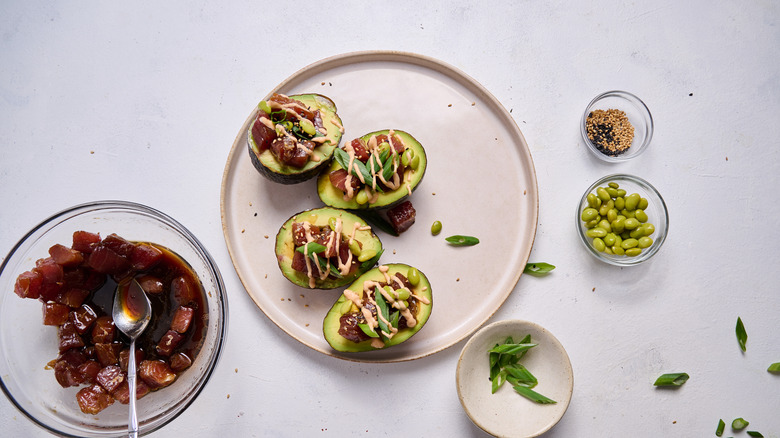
x: 622, y: 220
x: 515, y: 379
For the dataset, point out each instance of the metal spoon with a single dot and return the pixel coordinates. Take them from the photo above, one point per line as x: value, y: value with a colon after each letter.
x: 132, y: 312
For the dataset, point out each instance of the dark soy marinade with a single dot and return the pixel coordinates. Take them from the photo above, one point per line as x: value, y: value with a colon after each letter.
x: 164, y: 305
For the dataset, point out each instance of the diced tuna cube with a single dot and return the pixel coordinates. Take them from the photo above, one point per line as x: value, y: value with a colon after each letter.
x: 110, y: 378
x: 73, y: 297
x: 69, y: 337
x: 184, y: 290
x: 169, y: 341
x: 28, y: 284
x: 124, y: 356
x: 144, y: 257
x: 66, y: 374
x: 55, y: 313
x: 93, y: 399
x: 151, y: 284
x: 104, y: 330
x: 182, y: 319
x: 108, y: 354
x: 156, y: 373
x: 122, y: 394
x: 89, y: 371
x: 180, y: 362
x: 85, y: 241
x: 65, y: 256
x: 82, y: 318
x: 402, y: 216
x: 107, y: 261
x: 119, y: 245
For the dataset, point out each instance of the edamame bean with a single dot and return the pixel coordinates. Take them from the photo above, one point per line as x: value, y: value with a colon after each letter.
x: 593, y: 223
x: 643, y: 204
x: 625, y: 235
x: 403, y: 293
x: 332, y: 223
x: 619, y: 224
x: 606, y: 207
x: 591, y: 197
x: 602, y: 194
x: 589, y: 214
x: 640, y: 215
x: 618, y: 240
x: 436, y: 228
x: 264, y: 107
x: 632, y: 201
x: 613, y: 184
x: 307, y: 126
x: 618, y: 250
x: 620, y: 203
x: 645, y: 242
x: 610, y: 239
x: 406, y: 158
x: 604, y: 224
x: 413, y: 275
x: 596, y: 232
x: 631, y: 223
x: 366, y: 255
x: 362, y: 197
x: 629, y: 243
x: 599, y: 244
x: 612, y: 215
x: 621, y: 193
x: 625, y: 212
x: 633, y: 252
x: 354, y: 247
x: 415, y: 162
x: 612, y: 192
x: 608, y: 250
x: 637, y: 233
x: 389, y: 291
x: 649, y: 228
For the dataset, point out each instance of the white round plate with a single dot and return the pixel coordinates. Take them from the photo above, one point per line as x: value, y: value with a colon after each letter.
x: 507, y: 413
x: 480, y: 181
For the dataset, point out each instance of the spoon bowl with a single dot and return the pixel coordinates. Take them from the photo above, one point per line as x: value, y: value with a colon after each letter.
x: 132, y: 312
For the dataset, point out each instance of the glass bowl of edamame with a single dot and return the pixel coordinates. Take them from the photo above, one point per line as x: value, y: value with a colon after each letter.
x: 622, y: 220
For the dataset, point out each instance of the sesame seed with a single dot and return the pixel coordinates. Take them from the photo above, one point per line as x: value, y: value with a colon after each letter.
x: 610, y: 131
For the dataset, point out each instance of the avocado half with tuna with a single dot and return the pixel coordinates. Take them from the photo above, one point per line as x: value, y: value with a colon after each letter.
x: 293, y: 137
x: 326, y: 248
x: 379, y: 169
x: 383, y: 307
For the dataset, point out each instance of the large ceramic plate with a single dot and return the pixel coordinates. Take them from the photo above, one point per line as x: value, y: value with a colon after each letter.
x: 480, y: 181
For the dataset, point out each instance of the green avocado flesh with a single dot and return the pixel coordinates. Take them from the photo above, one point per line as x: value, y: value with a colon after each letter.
x: 334, y: 197
x: 285, y: 250
x: 332, y: 322
x: 268, y: 165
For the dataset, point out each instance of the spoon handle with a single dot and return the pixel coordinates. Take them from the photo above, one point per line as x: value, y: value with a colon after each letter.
x: 131, y: 375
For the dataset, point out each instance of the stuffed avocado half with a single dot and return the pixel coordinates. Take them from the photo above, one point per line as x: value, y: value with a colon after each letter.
x: 293, y: 137
x: 379, y: 169
x: 383, y: 307
x: 326, y: 248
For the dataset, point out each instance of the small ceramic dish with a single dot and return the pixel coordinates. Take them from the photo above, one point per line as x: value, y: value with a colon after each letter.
x: 638, y: 115
x: 506, y: 413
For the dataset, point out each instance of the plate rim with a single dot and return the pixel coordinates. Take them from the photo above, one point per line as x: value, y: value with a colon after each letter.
x: 387, y: 56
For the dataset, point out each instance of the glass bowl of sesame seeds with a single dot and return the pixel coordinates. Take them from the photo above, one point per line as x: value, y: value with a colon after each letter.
x: 616, y: 126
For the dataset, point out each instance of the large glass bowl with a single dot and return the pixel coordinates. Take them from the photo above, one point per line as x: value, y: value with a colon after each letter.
x: 656, y: 212
x: 26, y: 345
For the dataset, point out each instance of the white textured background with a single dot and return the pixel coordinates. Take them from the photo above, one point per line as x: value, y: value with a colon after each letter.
x: 141, y: 102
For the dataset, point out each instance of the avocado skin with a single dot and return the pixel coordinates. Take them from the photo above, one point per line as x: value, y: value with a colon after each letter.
x: 270, y: 168
x: 333, y: 197
x: 284, y: 247
x: 331, y: 324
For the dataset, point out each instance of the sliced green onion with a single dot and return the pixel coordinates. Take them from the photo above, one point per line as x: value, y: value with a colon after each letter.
x: 721, y: 426
x: 673, y: 379
x: 525, y: 340
x: 741, y: 334
x: 739, y: 423
x: 358, y: 168
x: 521, y: 376
x: 497, y: 381
x: 458, y: 240
x: 381, y: 307
x: 538, y: 269
x: 533, y: 395
x: 755, y: 434
x: 512, y: 348
x: 311, y: 248
x: 774, y: 368
x: 324, y: 266
x: 368, y: 330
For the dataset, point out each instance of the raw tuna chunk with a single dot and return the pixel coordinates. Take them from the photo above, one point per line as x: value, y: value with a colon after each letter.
x: 93, y: 399
x: 156, y: 373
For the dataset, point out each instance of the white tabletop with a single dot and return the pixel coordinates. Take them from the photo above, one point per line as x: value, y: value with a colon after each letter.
x: 142, y: 103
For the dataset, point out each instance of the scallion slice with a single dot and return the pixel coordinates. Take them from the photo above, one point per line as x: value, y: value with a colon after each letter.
x: 532, y: 395
x: 741, y: 334
x: 672, y: 379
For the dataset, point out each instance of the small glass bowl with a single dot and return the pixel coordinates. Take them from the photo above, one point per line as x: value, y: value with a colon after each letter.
x: 656, y: 212
x: 26, y: 345
x: 637, y: 114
